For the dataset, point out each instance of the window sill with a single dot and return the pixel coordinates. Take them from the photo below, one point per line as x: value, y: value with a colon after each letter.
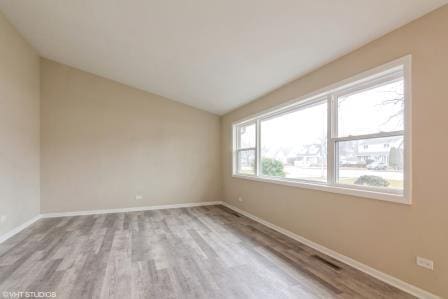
x: 395, y: 198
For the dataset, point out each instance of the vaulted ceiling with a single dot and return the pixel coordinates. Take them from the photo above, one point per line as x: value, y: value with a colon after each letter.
x: 213, y: 55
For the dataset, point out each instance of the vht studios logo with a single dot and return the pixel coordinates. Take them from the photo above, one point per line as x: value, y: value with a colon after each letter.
x: 26, y: 294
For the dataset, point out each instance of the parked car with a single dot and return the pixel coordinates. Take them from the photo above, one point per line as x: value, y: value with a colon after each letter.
x: 377, y: 166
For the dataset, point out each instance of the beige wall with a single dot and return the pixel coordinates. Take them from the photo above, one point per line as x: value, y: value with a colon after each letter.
x: 102, y: 143
x: 384, y: 235
x: 19, y: 129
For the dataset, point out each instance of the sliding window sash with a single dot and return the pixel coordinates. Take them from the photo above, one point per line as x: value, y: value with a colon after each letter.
x: 369, y: 136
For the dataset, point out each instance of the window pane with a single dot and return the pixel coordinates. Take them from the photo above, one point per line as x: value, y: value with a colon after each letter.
x: 376, y: 162
x: 294, y: 145
x: 379, y: 109
x: 246, y: 136
x: 246, y: 162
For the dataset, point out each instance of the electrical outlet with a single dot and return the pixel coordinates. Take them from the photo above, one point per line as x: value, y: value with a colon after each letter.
x: 2, y: 218
x: 425, y: 263
x: 240, y: 198
x: 138, y: 197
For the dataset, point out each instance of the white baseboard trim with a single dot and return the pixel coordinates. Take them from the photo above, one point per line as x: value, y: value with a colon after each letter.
x: 404, y: 286
x: 18, y: 229
x: 21, y: 227
x: 133, y: 209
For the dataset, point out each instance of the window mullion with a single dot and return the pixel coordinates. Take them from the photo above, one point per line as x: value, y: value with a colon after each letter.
x: 235, y: 149
x: 257, y: 148
x: 331, y: 130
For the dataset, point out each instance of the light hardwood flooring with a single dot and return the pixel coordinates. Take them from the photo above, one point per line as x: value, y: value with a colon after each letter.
x: 201, y: 252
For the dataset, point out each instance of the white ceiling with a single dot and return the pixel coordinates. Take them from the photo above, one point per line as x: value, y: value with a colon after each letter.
x: 214, y: 55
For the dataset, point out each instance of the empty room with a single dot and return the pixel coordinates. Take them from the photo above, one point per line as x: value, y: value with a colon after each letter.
x: 223, y: 149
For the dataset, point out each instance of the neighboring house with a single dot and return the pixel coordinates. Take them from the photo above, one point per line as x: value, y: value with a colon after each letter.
x: 303, y: 155
x: 307, y: 155
x: 371, y: 150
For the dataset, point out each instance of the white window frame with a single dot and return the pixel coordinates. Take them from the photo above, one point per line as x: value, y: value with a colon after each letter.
x: 398, y: 68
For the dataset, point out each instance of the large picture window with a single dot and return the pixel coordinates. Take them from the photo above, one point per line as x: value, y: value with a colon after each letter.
x: 352, y: 138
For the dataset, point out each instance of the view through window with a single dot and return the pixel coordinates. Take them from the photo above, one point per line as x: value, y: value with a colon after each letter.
x: 294, y: 145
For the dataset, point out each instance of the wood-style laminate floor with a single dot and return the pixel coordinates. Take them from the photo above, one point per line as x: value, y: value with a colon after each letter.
x: 203, y: 252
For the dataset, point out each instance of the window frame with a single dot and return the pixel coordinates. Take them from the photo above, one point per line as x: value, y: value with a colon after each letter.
x: 382, y: 80
x: 397, y: 69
